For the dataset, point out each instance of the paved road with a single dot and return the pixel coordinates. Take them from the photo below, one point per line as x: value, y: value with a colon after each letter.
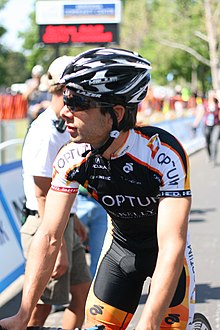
x: 205, y: 236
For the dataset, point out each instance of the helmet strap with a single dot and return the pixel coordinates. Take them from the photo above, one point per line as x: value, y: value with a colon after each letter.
x: 112, y: 135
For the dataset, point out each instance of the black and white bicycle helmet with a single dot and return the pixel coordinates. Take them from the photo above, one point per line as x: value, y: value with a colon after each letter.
x: 109, y: 75
x: 112, y: 76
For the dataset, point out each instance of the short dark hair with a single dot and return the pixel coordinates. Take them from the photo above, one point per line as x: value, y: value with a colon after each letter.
x: 129, y: 119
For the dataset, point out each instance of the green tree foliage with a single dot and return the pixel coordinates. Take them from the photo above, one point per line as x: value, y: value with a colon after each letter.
x: 134, y: 25
x: 171, y: 38
x: 172, y: 34
x: 12, y: 64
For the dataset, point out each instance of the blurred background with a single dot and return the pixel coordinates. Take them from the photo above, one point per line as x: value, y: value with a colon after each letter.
x: 180, y: 38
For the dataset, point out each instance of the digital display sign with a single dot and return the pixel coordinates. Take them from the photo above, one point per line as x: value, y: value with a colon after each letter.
x: 79, y: 34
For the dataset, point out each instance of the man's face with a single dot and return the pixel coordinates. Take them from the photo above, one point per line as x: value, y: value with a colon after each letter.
x: 84, y: 120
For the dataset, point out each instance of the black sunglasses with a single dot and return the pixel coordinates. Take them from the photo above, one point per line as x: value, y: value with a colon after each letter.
x: 80, y: 102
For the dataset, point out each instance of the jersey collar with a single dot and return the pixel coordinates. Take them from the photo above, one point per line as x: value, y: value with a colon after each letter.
x: 126, y: 147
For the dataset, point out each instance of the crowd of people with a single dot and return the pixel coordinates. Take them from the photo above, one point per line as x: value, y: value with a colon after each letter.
x: 83, y: 158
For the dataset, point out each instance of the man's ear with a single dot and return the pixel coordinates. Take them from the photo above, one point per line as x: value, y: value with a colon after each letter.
x: 119, y: 112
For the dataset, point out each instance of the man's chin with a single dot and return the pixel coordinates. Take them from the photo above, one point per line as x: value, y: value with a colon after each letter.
x: 77, y: 139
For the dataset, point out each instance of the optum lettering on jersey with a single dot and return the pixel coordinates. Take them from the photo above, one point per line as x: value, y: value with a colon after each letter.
x: 73, y: 153
x: 163, y: 159
x: 67, y: 157
x: 132, y: 200
x: 173, y: 177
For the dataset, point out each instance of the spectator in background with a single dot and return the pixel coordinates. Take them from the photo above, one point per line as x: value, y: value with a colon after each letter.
x: 35, y: 93
x: 43, y: 98
x: 45, y: 137
x: 94, y: 217
x: 209, y: 112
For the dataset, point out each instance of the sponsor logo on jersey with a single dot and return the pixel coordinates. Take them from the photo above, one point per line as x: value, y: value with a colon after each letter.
x: 100, y: 177
x: 65, y: 189
x: 172, y: 318
x: 154, y: 145
x: 190, y: 258
x: 172, y: 174
x: 178, y: 193
x: 133, y: 215
x: 100, y: 166
x: 97, y: 160
x: 96, y: 309
x: 128, y: 167
x: 133, y: 201
x: 132, y: 181
x: 71, y: 154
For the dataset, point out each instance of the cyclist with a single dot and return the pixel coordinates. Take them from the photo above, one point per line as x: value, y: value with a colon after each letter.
x: 140, y: 175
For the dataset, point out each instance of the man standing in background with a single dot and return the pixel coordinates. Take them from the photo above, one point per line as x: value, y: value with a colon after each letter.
x: 71, y: 274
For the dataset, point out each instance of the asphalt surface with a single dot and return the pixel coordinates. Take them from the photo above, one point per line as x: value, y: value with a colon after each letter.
x: 205, y: 235
x: 204, y: 229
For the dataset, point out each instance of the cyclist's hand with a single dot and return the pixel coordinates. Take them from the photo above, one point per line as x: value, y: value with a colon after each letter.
x: 12, y: 323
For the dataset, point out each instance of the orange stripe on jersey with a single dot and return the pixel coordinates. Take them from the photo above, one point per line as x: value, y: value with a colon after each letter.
x: 146, y: 165
x: 93, y: 194
x: 73, y: 167
x: 187, y: 178
x: 55, y: 172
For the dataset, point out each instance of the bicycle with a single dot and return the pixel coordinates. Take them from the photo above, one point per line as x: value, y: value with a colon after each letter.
x: 96, y: 327
x: 200, y: 322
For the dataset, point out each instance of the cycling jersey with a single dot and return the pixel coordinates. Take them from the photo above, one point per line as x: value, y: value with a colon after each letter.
x: 150, y: 164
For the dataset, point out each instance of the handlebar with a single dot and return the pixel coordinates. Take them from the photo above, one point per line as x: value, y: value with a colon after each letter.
x: 96, y: 327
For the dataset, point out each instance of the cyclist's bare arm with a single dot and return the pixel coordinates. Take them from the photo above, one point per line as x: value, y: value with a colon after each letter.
x: 42, y: 186
x: 42, y: 256
x: 172, y: 231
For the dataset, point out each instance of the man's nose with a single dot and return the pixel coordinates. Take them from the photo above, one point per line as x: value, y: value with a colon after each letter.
x: 64, y: 111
